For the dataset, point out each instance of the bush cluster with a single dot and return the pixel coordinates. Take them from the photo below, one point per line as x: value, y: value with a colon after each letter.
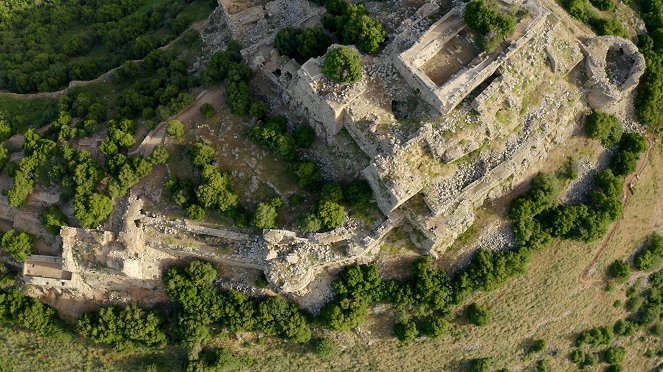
x: 123, y: 327
x: 330, y: 211
x: 651, y: 255
x: 204, y: 304
x: 28, y: 312
x: 302, y: 43
x: 80, y: 177
x: 353, y: 24
x: 212, y: 190
x: 584, y: 11
x: 649, y: 101
x: 493, y: 25
x: 227, y: 66
x: 38, y: 152
x: 537, y: 216
x: 604, y: 127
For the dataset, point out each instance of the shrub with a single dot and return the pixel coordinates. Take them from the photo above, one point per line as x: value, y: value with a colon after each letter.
x: 405, y: 330
x: 579, y: 9
x: 202, y: 154
x: 603, y: 4
x: 4, y: 157
x: 614, y: 355
x: 266, y: 216
x: 310, y: 223
x: 324, y: 347
x: 123, y: 327
x: 195, y: 212
x: 354, y: 25
x: 304, y: 136
x: 5, y: 130
x: 477, y: 315
x: 595, y: 336
x: 207, y: 110
x: 494, y: 25
x: 434, y: 326
x: 343, y: 65
x: 604, y: 26
x: 619, y: 269
x: 91, y: 210
x: 536, y: 346
x: 604, y: 127
x: 481, y: 365
x: 175, y: 129
x: 625, y: 327
x: 159, y: 155
x: 306, y: 174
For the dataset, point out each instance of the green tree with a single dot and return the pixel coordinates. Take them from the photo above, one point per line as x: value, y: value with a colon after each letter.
x: 266, y: 216
x: 343, y: 65
x: 123, y: 327
x: 195, y: 212
x: 331, y: 214
x: 203, y: 154
x: 324, y: 347
x: 159, y: 155
x: 18, y: 244
x: 175, y: 129
x: 91, y: 210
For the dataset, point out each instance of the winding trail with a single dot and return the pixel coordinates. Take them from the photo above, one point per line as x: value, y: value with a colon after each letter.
x: 627, y: 193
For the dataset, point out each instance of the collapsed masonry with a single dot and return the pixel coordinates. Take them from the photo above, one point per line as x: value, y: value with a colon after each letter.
x: 96, y: 263
x: 501, y: 113
x: 493, y: 118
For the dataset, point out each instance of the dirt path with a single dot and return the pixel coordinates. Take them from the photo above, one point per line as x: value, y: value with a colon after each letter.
x: 190, y: 116
x: 627, y: 193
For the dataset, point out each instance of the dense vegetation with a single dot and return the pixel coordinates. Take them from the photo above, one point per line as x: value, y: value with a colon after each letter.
x: 28, y: 312
x: 493, y: 25
x: 302, y: 44
x: 586, y: 11
x: 604, y: 127
x: 45, y: 45
x: 649, y: 102
x: 352, y: 24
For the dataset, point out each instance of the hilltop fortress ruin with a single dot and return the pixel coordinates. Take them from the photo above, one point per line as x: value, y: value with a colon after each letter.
x: 484, y: 122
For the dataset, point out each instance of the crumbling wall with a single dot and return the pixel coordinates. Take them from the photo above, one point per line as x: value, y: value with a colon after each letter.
x: 605, y: 93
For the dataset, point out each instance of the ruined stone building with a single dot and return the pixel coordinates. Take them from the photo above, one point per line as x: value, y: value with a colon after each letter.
x: 485, y: 121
